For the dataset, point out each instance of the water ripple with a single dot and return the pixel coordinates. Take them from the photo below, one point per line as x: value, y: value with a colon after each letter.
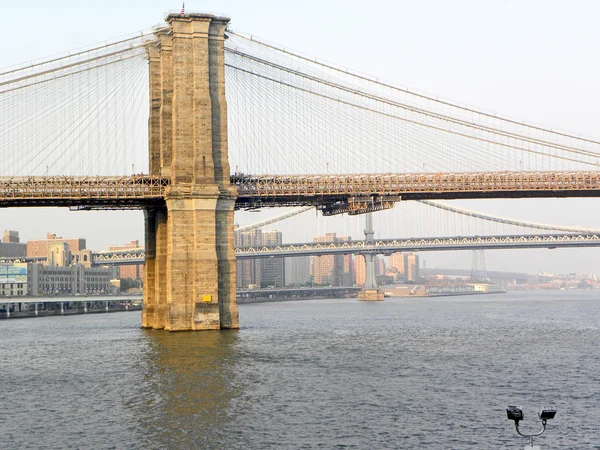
x: 323, y: 374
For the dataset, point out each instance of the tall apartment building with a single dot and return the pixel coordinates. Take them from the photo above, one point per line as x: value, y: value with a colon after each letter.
x: 324, y: 266
x: 10, y: 247
x: 135, y: 271
x: 333, y: 270
x: 41, y: 247
x: 248, y: 270
x: 361, y: 270
x: 397, y: 261
x: 411, y: 263
x: 348, y: 271
x: 297, y: 270
x: 272, y: 271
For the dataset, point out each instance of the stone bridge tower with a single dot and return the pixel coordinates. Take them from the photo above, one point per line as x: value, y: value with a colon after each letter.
x: 189, y: 279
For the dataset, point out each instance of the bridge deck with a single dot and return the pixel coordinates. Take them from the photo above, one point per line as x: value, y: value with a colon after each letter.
x: 141, y: 191
x: 124, y: 192
x: 326, y: 189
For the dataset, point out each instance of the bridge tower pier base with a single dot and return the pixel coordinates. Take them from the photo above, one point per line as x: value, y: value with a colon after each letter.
x: 190, y: 277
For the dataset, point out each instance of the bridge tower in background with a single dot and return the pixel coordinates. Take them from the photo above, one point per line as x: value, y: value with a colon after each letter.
x: 189, y: 279
x: 370, y: 291
x: 478, y: 271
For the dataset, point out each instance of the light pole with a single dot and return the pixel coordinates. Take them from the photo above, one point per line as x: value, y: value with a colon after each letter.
x: 516, y: 413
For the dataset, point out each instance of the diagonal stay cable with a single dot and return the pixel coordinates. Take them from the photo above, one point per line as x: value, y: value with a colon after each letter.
x: 68, y: 66
x: 414, y: 109
x: 137, y: 55
x: 409, y: 92
x: 82, y: 52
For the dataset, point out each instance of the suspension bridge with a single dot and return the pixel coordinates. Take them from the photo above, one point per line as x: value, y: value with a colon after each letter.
x: 191, y: 121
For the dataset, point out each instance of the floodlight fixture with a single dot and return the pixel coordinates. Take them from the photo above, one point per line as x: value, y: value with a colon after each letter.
x: 547, y: 413
x: 515, y: 413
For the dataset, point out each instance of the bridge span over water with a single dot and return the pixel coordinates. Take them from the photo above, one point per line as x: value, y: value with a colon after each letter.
x: 297, y: 131
x: 362, y: 247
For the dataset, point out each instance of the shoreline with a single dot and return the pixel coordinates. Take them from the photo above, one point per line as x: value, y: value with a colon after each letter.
x: 66, y: 312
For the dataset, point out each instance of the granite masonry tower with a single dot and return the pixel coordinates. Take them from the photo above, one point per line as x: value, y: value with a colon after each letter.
x: 189, y: 279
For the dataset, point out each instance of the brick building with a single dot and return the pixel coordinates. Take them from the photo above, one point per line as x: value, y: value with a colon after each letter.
x: 41, y: 247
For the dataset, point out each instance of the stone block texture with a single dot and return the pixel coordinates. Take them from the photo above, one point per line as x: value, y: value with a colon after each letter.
x: 190, y: 276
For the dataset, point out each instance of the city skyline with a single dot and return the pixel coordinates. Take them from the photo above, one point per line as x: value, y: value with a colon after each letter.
x: 491, y: 56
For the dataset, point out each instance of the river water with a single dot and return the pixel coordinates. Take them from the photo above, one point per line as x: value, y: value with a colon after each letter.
x: 311, y: 374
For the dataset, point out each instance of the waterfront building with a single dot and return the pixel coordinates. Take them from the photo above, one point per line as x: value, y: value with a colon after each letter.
x: 13, y: 279
x: 75, y: 279
x: 57, y: 276
x: 406, y: 266
x: 37, y: 279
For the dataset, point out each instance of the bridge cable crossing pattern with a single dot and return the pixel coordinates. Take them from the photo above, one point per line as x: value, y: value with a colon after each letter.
x: 352, y: 123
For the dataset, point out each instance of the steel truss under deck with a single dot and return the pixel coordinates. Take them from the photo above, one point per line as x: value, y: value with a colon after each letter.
x: 389, y: 246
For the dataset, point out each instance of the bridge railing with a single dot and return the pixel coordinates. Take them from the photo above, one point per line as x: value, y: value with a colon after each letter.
x: 64, y: 190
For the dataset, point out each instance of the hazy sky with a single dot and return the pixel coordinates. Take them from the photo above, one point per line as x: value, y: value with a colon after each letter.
x: 532, y: 60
